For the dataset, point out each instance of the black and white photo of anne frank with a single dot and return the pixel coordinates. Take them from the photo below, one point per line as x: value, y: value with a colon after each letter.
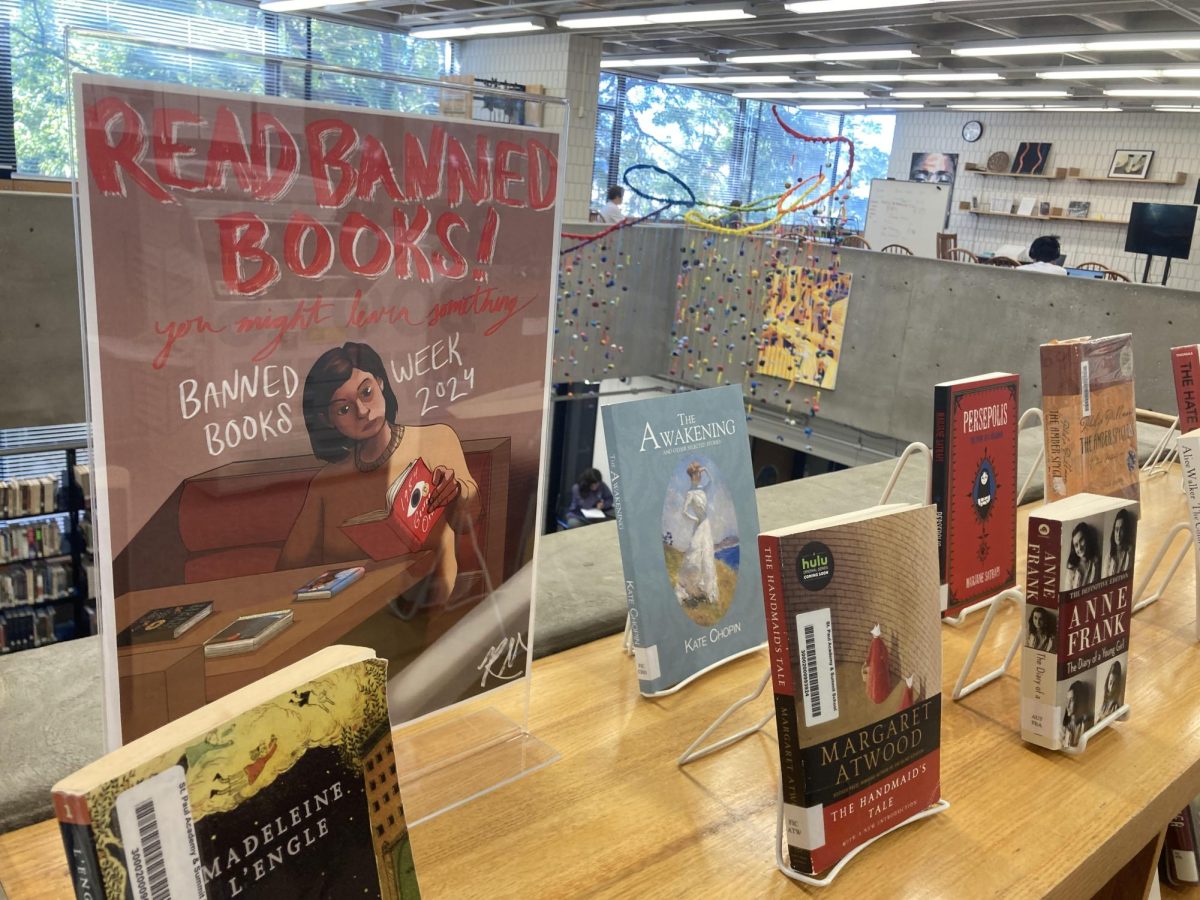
x: 1042, y: 630
x: 1083, y: 558
x: 1120, y: 543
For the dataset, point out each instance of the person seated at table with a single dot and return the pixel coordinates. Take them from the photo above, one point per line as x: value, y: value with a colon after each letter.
x: 1047, y: 256
x: 588, y: 493
x: 611, y: 211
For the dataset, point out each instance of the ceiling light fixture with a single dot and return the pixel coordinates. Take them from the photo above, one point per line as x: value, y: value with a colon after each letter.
x: 1022, y: 95
x: 726, y: 79
x: 830, y: 107
x: 826, y: 56
x: 1181, y: 109
x: 895, y: 106
x: 1086, y: 73
x: 1150, y: 92
x: 1189, y: 41
x: 933, y: 95
x: 801, y: 95
x: 296, y: 5
x: 640, y: 61
x: 933, y: 76
x: 983, y: 95
x: 479, y: 29
x: 658, y: 15
x: 836, y: 6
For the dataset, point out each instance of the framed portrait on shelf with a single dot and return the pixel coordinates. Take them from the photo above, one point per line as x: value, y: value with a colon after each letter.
x: 1131, y: 164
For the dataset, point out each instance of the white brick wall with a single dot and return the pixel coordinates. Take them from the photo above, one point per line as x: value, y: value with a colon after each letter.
x: 1085, y: 141
x: 567, y: 65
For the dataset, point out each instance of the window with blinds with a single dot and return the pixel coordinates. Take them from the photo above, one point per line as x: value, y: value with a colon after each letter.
x: 34, y: 464
x: 217, y: 45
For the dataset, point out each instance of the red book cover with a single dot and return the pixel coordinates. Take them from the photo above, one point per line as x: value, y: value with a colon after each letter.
x: 404, y: 524
x: 975, y: 486
x: 1185, y: 366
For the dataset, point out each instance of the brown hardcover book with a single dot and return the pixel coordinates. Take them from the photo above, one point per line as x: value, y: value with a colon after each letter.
x: 1090, y: 417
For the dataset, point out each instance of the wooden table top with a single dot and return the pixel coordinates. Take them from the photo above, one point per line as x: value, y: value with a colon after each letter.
x: 615, y: 817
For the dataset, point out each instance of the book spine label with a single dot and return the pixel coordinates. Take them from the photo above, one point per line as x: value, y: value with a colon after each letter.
x: 1185, y: 365
x: 776, y: 611
x: 941, y: 474
x: 82, y: 860
x: 1040, y: 713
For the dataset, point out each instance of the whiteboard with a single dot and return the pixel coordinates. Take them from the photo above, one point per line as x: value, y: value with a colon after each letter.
x: 906, y: 212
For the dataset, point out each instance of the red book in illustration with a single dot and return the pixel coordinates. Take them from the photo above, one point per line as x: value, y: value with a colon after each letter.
x: 1185, y: 366
x: 975, y: 486
x: 406, y: 520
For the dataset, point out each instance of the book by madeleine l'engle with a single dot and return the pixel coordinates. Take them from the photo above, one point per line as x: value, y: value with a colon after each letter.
x: 683, y: 494
x: 975, y: 486
x: 404, y: 523
x: 853, y: 627
x: 1078, y: 601
x: 1089, y: 417
x: 284, y: 788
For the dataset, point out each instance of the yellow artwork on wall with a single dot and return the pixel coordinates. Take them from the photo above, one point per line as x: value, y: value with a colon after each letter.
x: 803, y: 325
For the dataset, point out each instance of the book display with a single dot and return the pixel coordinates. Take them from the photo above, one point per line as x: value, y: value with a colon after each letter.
x: 854, y: 635
x: 1079, y: 599
x: 287, y: 787
x: 683, y: 493
x: 1089, y: 423
x: 975, y: 486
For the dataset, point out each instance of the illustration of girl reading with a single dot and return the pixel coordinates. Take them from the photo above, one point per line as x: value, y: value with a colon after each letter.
x: 350, y: 412
x: 697, y: 581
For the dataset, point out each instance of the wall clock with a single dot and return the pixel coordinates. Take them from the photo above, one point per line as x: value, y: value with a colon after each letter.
x: 972, y: 131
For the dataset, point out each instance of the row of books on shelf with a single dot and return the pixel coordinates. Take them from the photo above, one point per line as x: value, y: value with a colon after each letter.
x: 37, y: 582
x: 26, y: 627
x: 31, y: 540
x: 28, y: 496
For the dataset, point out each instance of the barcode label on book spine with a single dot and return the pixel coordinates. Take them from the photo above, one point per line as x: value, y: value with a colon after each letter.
x: 1085, y: 388
x: 818, y: 672
x: 162, y: 857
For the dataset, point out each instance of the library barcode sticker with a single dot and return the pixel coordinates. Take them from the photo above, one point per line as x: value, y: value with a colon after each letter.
x: 646, y: 658
x: 818, y: 674
x: 162, y: 855
x: 1085, y: 388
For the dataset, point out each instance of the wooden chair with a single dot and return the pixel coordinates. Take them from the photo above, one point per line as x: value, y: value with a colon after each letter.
x: 961, y: 254
x: 1004, y: 262
x: 856, y: 241
x: 945, y: 243
x: 897, y: 248
x: 1110, y: 275
x: 1092, y: 267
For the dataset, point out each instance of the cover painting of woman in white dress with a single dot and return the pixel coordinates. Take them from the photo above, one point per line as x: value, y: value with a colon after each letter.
x: 700, y: 539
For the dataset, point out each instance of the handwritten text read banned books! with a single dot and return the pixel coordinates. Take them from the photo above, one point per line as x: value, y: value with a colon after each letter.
x: 1079, y: 599
x: 853, y: 631
x: 288, y: 304
x: 1089, y: 417
x: 285, y: 788
x: 683, y: 494
x: 975, y: 486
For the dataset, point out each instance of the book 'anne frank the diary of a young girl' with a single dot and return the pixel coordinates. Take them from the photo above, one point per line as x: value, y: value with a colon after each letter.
x: 1078, y: 603
x: 853, y: 627
x: 683, y: 493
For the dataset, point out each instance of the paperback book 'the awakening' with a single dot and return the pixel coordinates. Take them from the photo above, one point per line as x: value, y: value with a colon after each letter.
x: 683, y: 493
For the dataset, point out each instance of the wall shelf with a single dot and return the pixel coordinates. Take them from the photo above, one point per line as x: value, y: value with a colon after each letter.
x: 966, y: 207
x: 1057, y: 175
x: 1180, y: 178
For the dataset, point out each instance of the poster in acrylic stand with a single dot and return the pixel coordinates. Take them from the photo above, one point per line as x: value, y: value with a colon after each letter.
x: 317, y: 339
x: 683, y: 492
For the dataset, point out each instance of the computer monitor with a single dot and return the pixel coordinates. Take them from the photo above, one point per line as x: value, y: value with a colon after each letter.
x: 1085, y: 273
x: 1161, y: 229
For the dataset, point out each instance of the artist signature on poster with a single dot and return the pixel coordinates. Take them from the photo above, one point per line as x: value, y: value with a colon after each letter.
x: 505, y: 661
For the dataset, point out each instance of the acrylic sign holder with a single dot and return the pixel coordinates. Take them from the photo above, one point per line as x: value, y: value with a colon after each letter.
x: 462, y: 751
x: 1160, y: 458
